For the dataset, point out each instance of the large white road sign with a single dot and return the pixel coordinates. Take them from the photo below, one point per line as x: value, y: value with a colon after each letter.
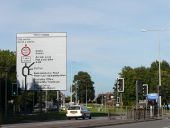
x: 41, y: 61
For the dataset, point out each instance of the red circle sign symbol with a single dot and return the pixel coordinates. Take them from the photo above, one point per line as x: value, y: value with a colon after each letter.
x: 25, y: 50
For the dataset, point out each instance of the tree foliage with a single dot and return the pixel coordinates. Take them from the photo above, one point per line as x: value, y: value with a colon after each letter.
x: 82, y: 82
x: 148, y: 75
x: 8, y: 64
x: 7, y: 76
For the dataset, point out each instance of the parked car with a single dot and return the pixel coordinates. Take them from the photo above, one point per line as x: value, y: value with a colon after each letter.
x: 78, y: 111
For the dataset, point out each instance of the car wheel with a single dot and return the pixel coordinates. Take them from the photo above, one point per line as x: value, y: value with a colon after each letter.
x: 68, y: 118
x: 84, y: 116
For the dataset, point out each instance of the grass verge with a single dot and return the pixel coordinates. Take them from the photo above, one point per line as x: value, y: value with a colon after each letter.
x: 49, y: 116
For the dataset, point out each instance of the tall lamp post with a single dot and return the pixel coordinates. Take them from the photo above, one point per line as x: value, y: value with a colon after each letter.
x: 159, y: 61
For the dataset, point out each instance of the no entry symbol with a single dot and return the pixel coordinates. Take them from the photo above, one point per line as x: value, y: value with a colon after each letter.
x: 25, y: 51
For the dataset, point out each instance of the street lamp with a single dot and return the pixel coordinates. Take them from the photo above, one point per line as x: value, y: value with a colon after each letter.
x: 158, y: 31
x: 159, y: 61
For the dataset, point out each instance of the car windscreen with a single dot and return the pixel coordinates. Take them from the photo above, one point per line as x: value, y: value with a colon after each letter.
x: 74, y: 108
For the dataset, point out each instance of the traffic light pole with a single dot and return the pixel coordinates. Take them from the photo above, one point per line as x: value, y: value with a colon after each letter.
x: 136, y: 94
x: 121, y: 103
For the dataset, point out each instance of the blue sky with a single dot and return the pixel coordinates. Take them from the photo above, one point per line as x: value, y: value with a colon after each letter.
x: 103, y: 35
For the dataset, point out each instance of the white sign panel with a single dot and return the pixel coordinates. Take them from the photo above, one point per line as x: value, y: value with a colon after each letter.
x: 41, y: 61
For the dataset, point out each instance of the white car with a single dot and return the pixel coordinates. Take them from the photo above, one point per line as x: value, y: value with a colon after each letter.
x: 78, y: 111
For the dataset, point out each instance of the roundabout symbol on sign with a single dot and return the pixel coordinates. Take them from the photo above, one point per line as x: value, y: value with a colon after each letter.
x: 25, y: 51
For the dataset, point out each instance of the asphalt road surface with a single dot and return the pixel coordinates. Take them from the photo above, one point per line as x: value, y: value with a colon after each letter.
x: 95, y: 122
x: 57, y: 124
x: 165, y: 123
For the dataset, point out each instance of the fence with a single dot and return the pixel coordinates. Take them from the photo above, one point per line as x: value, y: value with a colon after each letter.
x: 136, y: 113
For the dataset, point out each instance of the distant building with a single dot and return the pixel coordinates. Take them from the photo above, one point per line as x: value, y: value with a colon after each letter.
x: 106, y: 98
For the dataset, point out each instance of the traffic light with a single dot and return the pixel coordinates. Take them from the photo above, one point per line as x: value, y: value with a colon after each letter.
x: 139, y: 86
x: 120, y: 84
x: 160, y: 90
x: 14, y: 89
x: 145, y: 89
x: 118, y: 99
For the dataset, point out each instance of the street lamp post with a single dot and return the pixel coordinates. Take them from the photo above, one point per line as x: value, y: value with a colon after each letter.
x: 86, y: 95
x: 76, y: 97
x: 159, y: 60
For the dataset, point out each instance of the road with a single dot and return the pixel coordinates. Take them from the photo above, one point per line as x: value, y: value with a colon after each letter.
x: 95, y: 122
x: 165, y: 123
x: 56, y: 124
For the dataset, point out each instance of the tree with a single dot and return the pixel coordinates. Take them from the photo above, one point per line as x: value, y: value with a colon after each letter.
x: 82, y: 82
x: 8, y: 64
x: 148, y: 75
x: 7, y: 77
